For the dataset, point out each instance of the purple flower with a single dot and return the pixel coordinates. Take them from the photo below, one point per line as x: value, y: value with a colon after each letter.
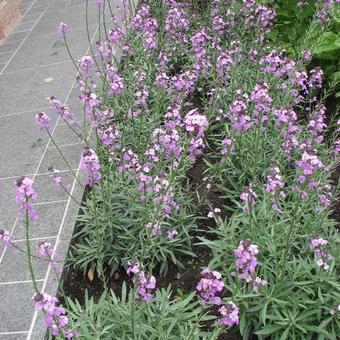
x: 145, y: 282
x: 63, y: 111
x: 54, y: 316
x: 5, y: 237
x: 42, y: 120
x: 274, y: 185
x: 116, y: 84
x: 46, y: 250
x: 249, y: 197
x: 228, y: 146
x: 25, y: 193
x: 85, y: 64
x: 109, y: 135
x: 317, y: 123
x: 171, y: 234
x: 54, y: 174
x: 318, y: 245
x: 230, y: 315
x: 223, y: 64
x: 209, y: 286
x: 246, y: 259
x: 62, y: 28
x: 90, y: 163
x: 265, y: 17
x: 155, y: 228
x: 309, y: 162
x: 315, y: 78
x: 246, y: 262
x: 133, y: 267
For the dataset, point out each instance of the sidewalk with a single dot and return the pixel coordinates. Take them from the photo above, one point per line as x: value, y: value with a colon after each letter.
x: 34, y: 65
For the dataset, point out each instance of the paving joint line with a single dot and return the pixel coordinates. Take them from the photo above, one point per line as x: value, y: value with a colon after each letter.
x: 49, y: 202
x: 19, y: 282
x: 35, y: 239
x: 23, y: 112
x: 36, y: 175
x: 38, y: 66
x: 65, y: 145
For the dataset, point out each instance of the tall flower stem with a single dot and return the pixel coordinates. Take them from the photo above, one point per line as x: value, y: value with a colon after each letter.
x: 28, y: 247
x: 63, y: 158
x: 89, y: 38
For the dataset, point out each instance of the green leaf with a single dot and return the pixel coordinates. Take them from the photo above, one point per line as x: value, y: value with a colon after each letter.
x: 270, y: 329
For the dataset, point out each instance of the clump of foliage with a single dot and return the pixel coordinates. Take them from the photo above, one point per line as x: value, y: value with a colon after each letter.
x: 315, y: 25
x: 201, y: 84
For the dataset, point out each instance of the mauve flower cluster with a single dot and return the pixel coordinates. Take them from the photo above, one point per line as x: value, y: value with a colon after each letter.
x: 261, y: 18
x: 146, y: 283
x: 5, y: 237
x: 230, y: 315
x: 43, y: 120
x: 228, y: 146
x: 246, y: 262
x: 176, y: 21
x: 277, y: 63
x: 249, y: 197
x: 55, y: 316
x: 63, y: 111
x: 157, y: 188
x: 24, y: 194
x: 62, y: 29
x: 316, y: 124
x: 307, y: 166
x: 146, y: 24
x: 210, y: 286
x: 325, y: 9
x: 47, y: 251
x: 90, y: 163
x: 274, y: 186
x: 195, y: 123
x: 318, y: 245
x: 223, y: 64
x: 85, y: 65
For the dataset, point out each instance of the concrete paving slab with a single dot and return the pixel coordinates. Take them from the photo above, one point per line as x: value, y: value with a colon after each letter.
x: 63, y: 135
x: 4, y: 57
x: 53, y: 158
x: 29, y: 89
x: 16, y: 336
x: 50, y: 218
x: 48, y: 49
x: 24, y: 144
x: 18, y: 299
x: 74, y: 16
x: 47, y: 192
x: 15, y: 263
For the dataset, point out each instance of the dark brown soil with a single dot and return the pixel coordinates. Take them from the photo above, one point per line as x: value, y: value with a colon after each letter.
x: 185, y: 280
x: 76, y: 283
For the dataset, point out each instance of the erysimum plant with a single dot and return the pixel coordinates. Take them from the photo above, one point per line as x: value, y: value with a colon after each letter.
x: 201, y: 116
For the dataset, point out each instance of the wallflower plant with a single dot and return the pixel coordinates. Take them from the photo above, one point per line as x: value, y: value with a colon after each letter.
x: 199, y: 89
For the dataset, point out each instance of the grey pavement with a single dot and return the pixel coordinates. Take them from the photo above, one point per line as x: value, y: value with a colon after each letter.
x: 34, y: 65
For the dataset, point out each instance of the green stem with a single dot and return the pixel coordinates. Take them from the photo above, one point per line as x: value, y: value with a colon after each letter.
x: 28, y: 247
x: 34, y: 256
x: 63, y: 158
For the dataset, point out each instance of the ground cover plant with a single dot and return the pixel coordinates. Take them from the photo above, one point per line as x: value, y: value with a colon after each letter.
x: 212, y: 181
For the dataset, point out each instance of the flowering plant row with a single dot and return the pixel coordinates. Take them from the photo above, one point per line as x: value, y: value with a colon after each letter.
x: 203, y: 139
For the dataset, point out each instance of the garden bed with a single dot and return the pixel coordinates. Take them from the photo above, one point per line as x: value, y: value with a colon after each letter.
x: 213, y: 177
